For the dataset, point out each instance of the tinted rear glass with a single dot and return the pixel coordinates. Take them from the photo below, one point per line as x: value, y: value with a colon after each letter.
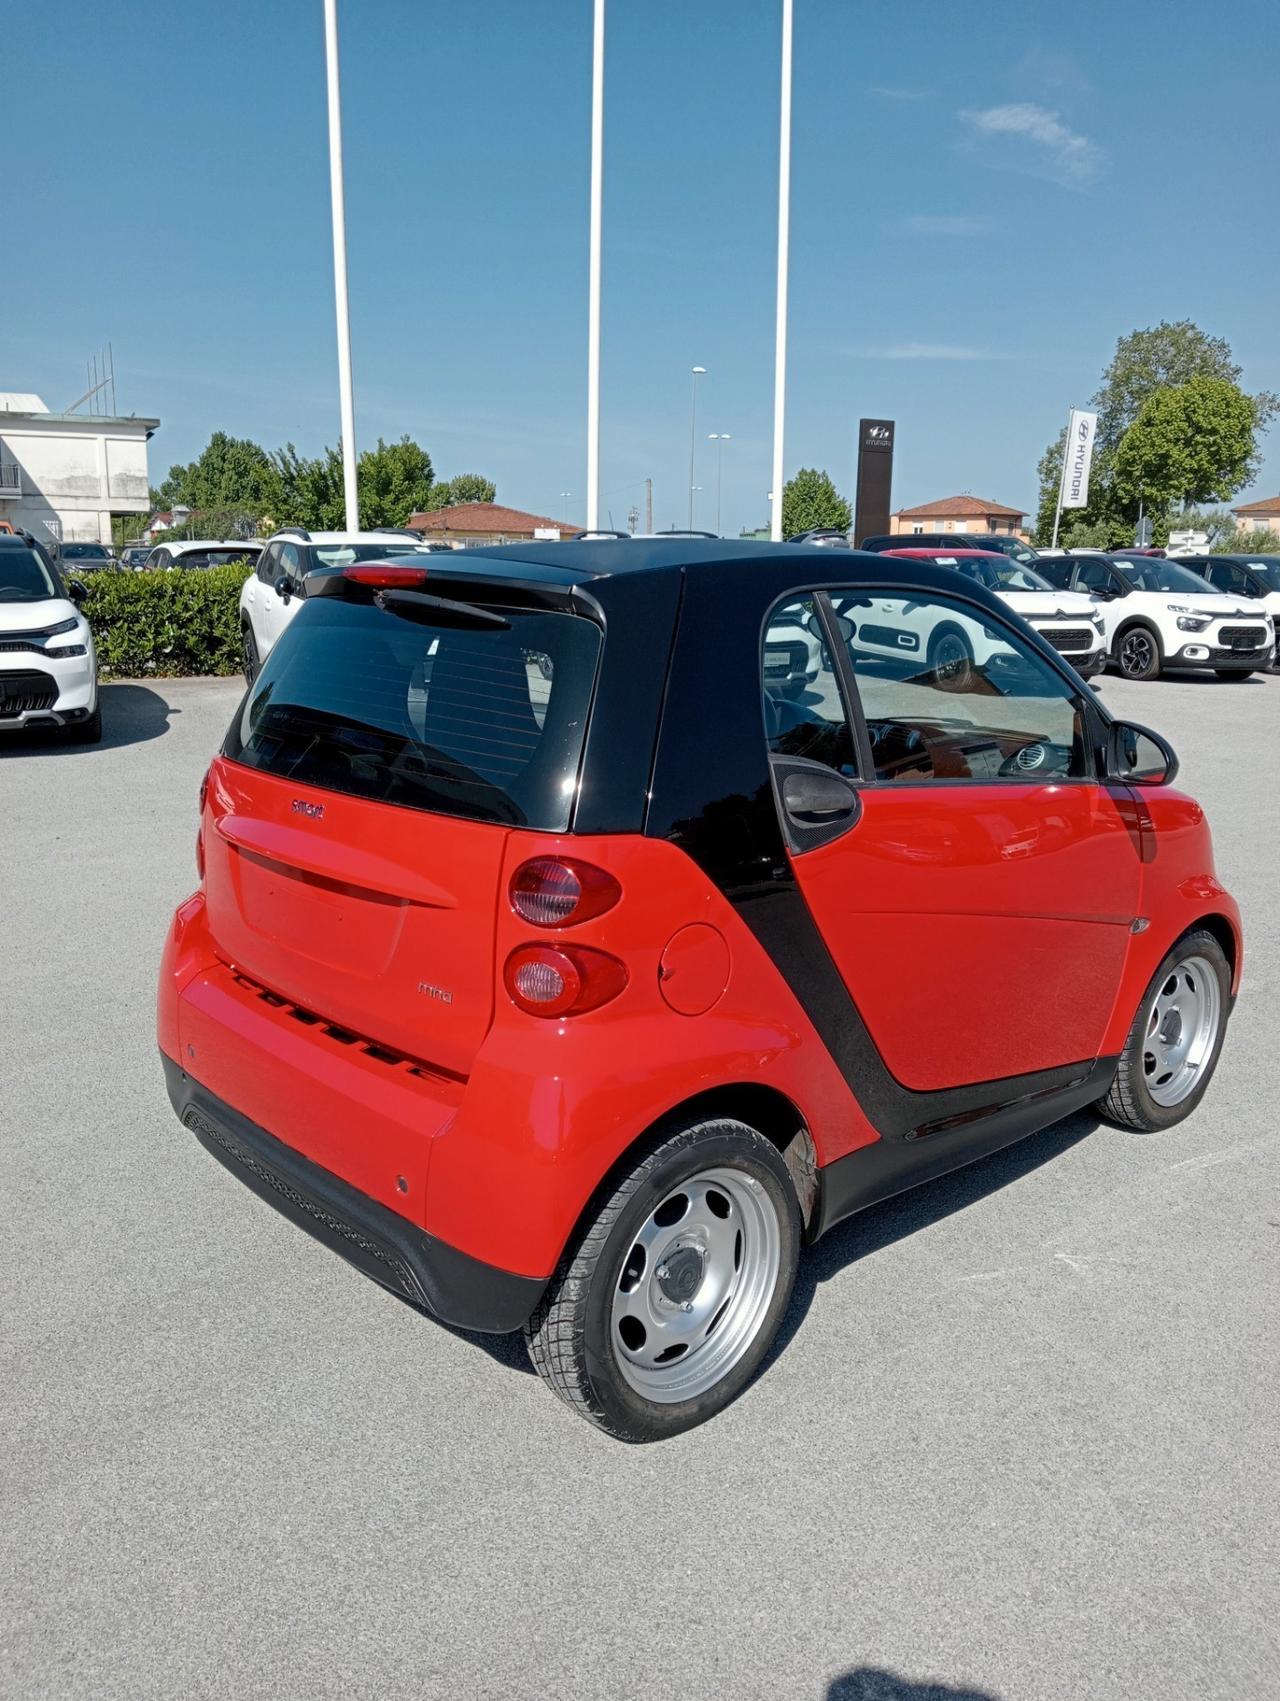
x: 485, y: 723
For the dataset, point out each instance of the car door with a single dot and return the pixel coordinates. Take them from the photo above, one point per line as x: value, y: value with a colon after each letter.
x: 280, y: 562
x: 978, y: 892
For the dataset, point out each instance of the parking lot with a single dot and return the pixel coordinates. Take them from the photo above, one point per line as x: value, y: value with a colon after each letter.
x: 1018, y: 1439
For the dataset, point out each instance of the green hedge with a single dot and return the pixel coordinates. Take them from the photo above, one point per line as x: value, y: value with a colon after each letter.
x: 166, y: 624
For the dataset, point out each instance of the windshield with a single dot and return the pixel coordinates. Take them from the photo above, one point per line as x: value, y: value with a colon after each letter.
x: 24, y: 577
x: 1010, y: 546
x: 1155, y: 575
x: 83, y: 551
x: 1015, y: 577
x: 343, y: 554
x: 1267, y: 570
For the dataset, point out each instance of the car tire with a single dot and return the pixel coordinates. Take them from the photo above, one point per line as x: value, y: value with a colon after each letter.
x: 250, y: 661
x: 670, y: 1295
x: 1231, y: 673
x: 87, y: 731
x: 950, y: 659
x: 1137, y: 653
x: 1152, y: 1089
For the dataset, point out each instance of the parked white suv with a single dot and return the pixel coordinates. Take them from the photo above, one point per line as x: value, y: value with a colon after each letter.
x: 1159, y: 614
x: 272, y: 594
x: 1068, y: 620
x: 201, y: 552
x: 48, y: 667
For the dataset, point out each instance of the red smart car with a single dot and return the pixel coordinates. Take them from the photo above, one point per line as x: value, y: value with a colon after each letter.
x: 582, y: 928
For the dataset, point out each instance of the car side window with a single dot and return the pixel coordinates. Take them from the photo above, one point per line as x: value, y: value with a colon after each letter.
x: 947, y: 694
x: 804, y: 714
x: 268, y: 565
x: 289, y: 564
x: 1093, y: 576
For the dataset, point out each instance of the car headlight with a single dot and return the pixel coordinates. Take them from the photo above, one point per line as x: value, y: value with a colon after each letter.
x: 1098, y: 621
x: 1193, y: 622
x: 62, y: 626
x: 65, y: 650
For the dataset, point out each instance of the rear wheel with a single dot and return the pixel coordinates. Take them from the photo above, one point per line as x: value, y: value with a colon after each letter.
x: 662, y: 1310
x: 1173, y: 1046
x: 951, y: 659
x: 1138, y: 653
x: 249, y: 652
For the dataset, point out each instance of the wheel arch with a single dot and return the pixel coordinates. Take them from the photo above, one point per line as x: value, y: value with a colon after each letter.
x: 1220, y: 927
x: 766, y: 1109
x: 1126, y: 626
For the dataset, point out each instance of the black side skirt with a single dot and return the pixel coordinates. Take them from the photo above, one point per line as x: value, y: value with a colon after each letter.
x: 890, y: 1166
x: 432, y: 1275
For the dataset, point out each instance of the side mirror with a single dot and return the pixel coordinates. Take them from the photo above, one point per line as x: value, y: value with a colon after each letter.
x: 283, y: 587
x: 77, y: 590
x: 1139, y: 756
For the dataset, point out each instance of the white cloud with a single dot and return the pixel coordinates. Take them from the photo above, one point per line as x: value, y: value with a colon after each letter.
x: 948, y: 224
x: 1051, y: 148
x: 927, y: 351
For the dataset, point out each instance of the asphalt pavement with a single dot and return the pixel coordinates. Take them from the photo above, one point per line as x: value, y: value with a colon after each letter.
x: 1019, y: 1439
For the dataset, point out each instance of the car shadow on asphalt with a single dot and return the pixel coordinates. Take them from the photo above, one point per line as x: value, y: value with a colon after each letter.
x: 870, y: 1231
x: 131, y: 714
x: 871, y: 1683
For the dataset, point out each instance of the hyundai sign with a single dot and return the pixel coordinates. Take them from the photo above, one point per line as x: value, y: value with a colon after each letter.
x: 1082, y: 428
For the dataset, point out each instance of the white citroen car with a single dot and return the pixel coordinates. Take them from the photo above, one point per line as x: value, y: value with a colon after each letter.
x: 273, y: 592
x: 1159, y: 614
x: 48, y: 667
x: 1069, y: 620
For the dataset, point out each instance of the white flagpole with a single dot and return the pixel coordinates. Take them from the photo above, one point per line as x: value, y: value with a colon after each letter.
x: 593, y: 303
x: 345, y: 390
x: 784, y: 237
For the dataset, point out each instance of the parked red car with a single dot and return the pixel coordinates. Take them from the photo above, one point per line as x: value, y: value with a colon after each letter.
x: 582, y: 928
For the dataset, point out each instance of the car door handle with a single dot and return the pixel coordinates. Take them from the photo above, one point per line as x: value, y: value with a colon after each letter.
x: 818, y: 804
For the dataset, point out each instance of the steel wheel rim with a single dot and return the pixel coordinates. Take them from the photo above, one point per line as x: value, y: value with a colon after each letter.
x: 1182, y: 1030
x: 695, y: 1285
x: 951, y: 658
x: 1136, y: 653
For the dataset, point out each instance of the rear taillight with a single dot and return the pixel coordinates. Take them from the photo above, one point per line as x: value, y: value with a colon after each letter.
x: 562, y: 980
x: 383, y: 576
x: 204, y: 792
x: 552, y: 891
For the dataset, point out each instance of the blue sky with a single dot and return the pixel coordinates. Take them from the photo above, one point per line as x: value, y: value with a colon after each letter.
x: 983, y: 200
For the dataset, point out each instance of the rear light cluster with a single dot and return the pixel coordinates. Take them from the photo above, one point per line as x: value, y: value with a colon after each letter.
x: 383, y: 576
x: 204, y: 792
x: 561, y: 980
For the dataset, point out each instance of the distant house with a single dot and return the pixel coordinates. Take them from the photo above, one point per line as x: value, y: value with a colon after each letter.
x: 477, y: 523
x: 68, y: 475
x: 1260, y: 516
x: 958, y: 514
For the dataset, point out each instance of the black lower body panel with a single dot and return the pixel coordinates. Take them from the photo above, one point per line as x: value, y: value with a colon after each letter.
x: 428, y: 1272
x: 888, y: 1166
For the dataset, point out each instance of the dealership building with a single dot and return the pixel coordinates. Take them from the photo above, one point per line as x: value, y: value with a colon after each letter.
x: 67, y: 475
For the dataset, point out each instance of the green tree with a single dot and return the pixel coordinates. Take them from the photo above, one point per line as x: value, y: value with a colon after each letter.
x: 1196, y: 442
x: 809, y: 500
x: 470, y: 487
x: 230, y: 472
x: 394, y: 480
x: 1258, y: 541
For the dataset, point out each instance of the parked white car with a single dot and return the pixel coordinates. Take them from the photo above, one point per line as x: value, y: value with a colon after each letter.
x: 1068, y: 620
x: 48, y: 666
x: 1255, y: 576
x: 201, y: 552
x: 272, y: 595
x: 1157, y: 613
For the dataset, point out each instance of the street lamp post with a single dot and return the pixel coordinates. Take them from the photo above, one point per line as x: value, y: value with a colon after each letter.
x: 698, y: 372
x: 784, y: 236
x: 564, y: 509
x: 346, y: 395
x: 719, y: 438
x: 593, y: 274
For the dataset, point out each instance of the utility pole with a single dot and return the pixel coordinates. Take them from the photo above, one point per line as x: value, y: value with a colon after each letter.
x: 784, y: 237
x: 648, y: 504
x: 346, y: 393
x: 698, y: 372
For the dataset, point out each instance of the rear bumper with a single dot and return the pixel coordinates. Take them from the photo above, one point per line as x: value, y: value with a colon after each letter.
x: 432, y: 1275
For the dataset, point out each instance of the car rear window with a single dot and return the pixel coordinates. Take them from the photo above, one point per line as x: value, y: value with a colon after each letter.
x: 484, y: 723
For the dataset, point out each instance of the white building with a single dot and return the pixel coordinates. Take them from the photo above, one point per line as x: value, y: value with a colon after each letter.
x: 64, y: 475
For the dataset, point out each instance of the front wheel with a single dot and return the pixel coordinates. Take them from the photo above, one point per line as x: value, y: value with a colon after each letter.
x: 89, y: 730
x: 951, y: 660
x: 1173, y: 1046
x: 665, y: 1305
x: 1138, y: 654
